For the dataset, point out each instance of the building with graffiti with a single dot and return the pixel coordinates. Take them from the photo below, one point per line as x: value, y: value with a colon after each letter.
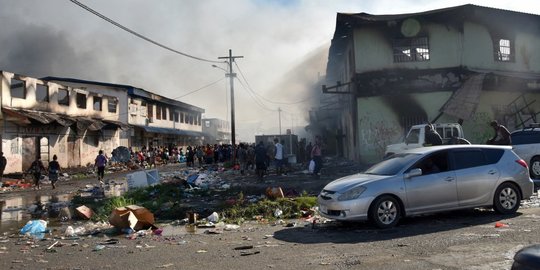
x: 466, y: 64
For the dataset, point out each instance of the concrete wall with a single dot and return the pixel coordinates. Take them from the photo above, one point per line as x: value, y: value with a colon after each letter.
x: 19, y: 142
x: 449, y: 47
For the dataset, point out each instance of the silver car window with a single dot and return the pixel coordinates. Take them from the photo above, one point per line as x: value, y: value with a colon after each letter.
x: 392, y: 165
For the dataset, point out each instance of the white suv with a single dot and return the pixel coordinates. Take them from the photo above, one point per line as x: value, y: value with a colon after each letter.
x: 526, y: 144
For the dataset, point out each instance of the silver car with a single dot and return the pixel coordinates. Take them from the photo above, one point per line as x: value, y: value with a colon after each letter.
x: 427, y: 180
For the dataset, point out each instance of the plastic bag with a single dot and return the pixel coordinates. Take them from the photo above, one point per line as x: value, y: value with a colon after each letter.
x: 36, y: 228
x: 311, y: 166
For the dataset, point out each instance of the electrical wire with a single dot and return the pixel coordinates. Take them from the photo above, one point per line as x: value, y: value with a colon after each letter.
x: 257, y: 101
x: 266, y: 99
x: 206, y: 86
x: 139, y: 35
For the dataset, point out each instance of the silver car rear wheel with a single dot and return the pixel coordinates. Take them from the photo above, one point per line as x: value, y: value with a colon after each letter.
x: 385, y: 212
x: 507, y: 199
x: 535, y: 168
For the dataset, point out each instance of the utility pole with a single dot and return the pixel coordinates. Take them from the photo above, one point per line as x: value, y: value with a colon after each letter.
x: 231, y: 76
x: 279, y: 111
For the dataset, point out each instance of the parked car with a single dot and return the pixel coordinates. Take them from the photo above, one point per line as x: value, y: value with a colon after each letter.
x: 427, y: 180
x: 451, y: 133
x: 526, y: 144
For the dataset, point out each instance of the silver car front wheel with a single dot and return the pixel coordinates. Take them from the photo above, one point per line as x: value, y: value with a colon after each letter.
x: 385, y: 212
x: 507, y: 199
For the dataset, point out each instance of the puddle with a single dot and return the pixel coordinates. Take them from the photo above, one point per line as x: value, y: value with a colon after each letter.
x: 16, y: 211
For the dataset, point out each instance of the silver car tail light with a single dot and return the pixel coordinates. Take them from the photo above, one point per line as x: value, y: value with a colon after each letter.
x: 522, y: 163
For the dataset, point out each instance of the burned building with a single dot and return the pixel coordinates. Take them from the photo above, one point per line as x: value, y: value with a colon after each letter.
x: 43, y: 118
x: 467, y: 64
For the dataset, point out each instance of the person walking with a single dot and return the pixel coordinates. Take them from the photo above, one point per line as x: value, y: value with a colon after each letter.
x: 35, y: 169
x: 3, y: 163
x: 278, y: 157
x: 316, y: 156
x: 54, y: 171
x: 502, y: 135
x: 100, y: 163
x: 260, y: 160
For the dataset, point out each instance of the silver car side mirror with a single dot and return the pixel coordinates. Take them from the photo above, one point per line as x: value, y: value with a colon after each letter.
x: 414, y: 172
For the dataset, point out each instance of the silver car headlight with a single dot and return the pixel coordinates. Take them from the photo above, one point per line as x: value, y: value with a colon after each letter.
x: 352, y: 193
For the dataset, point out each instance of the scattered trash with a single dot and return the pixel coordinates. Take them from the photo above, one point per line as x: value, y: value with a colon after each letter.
x: 274, y: 192
x: 214, y: 217
x: 132, y: 216
x: 111, y: 241
x: 501, y: 225
x: 278, y: 213
x: 243, y: 247
x: 51, y: 246
x: 36, y: 228
x: 166, y: 265
x: 231, y: 227
x: 84, y: 212
x: 244, y: 253
x: 99, y: 247
x: 69, y: 231
x: 201, y: 251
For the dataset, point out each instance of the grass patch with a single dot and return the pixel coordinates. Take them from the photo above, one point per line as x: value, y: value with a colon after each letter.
x: 265, y: 209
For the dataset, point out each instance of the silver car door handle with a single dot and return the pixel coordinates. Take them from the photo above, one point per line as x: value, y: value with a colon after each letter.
x: 449, y: 179
x: 492, y: 172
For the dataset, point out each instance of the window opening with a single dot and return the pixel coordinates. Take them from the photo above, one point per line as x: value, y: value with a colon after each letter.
x: 97, y: 103
x: 18, y: 88
x: 411, y: 49
x: 63, y: 97
x: 81, y: 100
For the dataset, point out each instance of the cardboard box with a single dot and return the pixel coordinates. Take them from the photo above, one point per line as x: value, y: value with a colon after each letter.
x: 132, y: 216
x: 84, y: 212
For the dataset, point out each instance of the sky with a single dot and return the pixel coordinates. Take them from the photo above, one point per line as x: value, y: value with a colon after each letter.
x: 283, y: 43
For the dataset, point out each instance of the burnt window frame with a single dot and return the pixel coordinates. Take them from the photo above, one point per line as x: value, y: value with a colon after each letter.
x: 81, y: 100
x: 164, y: 113
x: 503, y: 56
x: 22, y: 84
x: 95, y: 100
x: 150, y: 111
x: 158, y: 112
x: 45, y: 87
x: 112, y: 105
x: 64, y: 101
x: 399, y: 45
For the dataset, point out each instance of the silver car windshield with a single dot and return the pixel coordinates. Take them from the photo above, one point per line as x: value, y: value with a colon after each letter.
x: 392, y: 165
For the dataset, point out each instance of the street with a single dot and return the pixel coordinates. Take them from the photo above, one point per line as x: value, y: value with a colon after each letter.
x: 453, y: 240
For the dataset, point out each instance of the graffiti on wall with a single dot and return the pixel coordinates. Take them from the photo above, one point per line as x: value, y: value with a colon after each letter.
x: 15, y: 147
x: 376, y: 134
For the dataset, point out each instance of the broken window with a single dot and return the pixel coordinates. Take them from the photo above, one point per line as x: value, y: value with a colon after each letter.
x: 182, y: 118
x: 42, y: 93
x: 176, y: 117
x: 81, y: 100
x: 150, y: 110
x: 158, y: 112
x: 504, y: 50
x: 164, y: 112
x: 98, y: 103
x: 112, y: 103
x: 171, y: 114
x: 63, y: 97
x: 411, y: 49
x: 18, y: 88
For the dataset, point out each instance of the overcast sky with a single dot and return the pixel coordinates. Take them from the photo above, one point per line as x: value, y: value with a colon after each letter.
x: 284, y: 45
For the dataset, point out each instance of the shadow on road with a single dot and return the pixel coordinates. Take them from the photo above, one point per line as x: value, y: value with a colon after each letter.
x: 338, y: 232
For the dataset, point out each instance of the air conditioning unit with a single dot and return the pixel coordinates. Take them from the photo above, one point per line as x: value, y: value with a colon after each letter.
x: 149, y: 120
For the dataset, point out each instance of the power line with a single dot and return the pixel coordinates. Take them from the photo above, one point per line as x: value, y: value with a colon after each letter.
x: 266, y: 99
x: 137, y: 34
x: 208, y: 85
